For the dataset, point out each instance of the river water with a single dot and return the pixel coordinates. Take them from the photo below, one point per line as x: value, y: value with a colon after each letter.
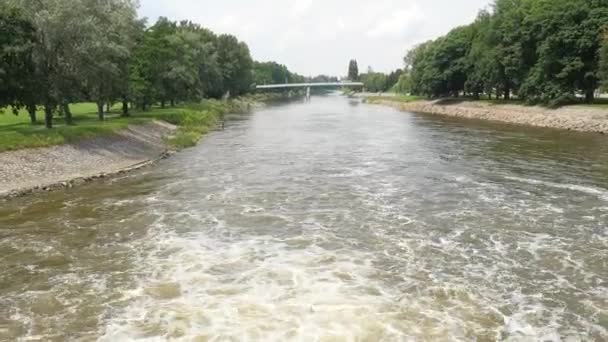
x: 323, y: 221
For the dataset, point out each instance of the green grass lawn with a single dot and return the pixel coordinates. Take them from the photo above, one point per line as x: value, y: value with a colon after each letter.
x: 16, y: 131
x: 598, y: 103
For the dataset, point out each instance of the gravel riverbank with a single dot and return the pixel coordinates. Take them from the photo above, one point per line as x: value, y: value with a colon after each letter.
x: 575, y: 118
x: 43, y: 169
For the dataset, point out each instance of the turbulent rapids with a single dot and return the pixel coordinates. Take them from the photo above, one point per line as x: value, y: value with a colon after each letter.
x: 325, y: 221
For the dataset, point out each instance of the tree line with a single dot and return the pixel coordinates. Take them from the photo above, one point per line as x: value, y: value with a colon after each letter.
x: 542, y: 51
x: 58, y: 52
x: 374, y: 81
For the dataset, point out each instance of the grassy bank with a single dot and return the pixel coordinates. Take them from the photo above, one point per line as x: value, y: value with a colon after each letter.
x: 599, y: 103
x: 396, y: 98
x: 194, y: 120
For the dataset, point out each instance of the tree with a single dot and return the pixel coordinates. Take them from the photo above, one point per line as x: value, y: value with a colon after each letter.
x: 77, y: 49
x: 353, y: 70
x: 106, y: 49
x: 393, y: 78
x: 604, y: 62
x: 540, y: 50
x: 17, y: 84
x: 374, y: 81
x: 403, y: 86
x: 235, y: 64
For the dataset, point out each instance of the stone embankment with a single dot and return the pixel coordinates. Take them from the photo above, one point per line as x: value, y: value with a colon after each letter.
x: 575, y: 118
x: 64, y: 166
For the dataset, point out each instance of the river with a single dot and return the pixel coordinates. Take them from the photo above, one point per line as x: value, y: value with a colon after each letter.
x: 324, y: 221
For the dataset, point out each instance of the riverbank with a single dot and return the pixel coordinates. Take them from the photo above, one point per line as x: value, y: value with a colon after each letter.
x: 574, y: 118
x: 115, y: 146
x: 64, y: 166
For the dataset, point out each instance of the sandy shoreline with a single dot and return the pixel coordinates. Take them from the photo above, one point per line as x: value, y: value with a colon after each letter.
x: 44, y: 169
x: 582, y: 119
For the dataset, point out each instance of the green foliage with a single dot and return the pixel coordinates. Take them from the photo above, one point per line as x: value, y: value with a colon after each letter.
x: 374, y: 82
x: 403, y: 85
x: 543, y: 51
x: 273, y: 73
x: 604, y: 62
x: 236, y: 65
x: 62, y: 51
x: 197, y: 119
x: 17, y: 37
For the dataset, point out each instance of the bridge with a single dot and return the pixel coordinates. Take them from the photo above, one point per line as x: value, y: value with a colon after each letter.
x: 310, y: 85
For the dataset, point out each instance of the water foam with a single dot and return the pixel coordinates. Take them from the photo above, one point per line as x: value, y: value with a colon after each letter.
x: 601, y: 193
x: 260, y: 288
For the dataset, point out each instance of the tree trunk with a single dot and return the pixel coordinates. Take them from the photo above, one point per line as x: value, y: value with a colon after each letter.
x: 100, y: 112
x: 48, y: 116
x: 31, y: 109
x: 507, y: 94
x: 589, y: 95
x: 108, y: 107
x: 172, y: 103
x: 162, y: 104
x: 67, y: 113
x: 125, y: 108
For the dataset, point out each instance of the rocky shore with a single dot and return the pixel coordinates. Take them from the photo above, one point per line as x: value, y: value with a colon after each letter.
x: 64, y: 166
x: 575, y: 118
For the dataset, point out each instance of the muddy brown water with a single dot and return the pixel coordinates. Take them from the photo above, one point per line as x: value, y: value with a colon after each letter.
x: 323, y: 221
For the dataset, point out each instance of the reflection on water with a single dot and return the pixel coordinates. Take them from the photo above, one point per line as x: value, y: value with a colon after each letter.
x: 325, y: 221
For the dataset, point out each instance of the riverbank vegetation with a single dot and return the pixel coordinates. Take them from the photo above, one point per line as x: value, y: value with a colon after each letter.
x: 193, y: 120
x: 550, y: 52
x: 59, y: 54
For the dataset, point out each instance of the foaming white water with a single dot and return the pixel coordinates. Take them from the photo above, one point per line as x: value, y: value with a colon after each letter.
x: 601, y: 193
x: 202, y: 288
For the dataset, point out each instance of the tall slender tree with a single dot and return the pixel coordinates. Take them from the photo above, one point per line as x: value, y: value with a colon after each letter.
x: 353, y: 70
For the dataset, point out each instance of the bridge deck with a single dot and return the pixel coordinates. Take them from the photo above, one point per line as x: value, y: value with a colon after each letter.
x: 311, y: 85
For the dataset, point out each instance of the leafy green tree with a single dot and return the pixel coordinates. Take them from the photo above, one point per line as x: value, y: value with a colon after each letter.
x: 482, y: 61
x: 17, y: 83
x: 271, y: 73
x: 403, y: 86
x: 235, y: 64
x: 540, y: 50
x: 106, y: 48
x: 393, y: 78
x: 374, y: 81
x: 57, y: 24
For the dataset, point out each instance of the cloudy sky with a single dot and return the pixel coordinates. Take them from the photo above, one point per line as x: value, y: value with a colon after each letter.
x: 320, y: 36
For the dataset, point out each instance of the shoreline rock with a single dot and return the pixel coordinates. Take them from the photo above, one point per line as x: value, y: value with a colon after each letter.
x: 581, y: 119
x: 24, y: 172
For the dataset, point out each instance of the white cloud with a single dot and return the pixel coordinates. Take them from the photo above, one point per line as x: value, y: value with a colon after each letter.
x: 397, y: 23
x: 314, y: 36
x: 300, y: 7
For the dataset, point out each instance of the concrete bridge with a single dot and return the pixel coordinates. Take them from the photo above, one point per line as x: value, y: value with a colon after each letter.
x: 310, y: 85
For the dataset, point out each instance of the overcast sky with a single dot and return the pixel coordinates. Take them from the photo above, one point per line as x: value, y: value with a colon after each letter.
x: 320, y: 36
